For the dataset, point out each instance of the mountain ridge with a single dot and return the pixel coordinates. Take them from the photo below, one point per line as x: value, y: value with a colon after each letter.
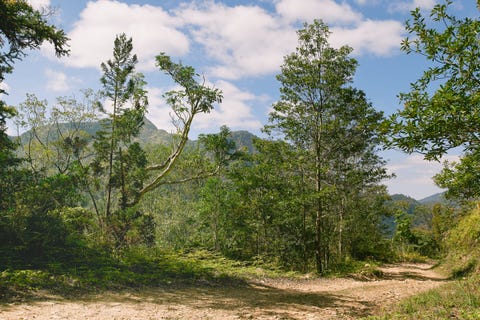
x: 151, y: 135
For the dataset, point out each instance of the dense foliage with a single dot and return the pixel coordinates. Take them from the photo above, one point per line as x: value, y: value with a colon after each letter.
x: 332, y: 128
x: 95, y: 194
x: 441, y: 110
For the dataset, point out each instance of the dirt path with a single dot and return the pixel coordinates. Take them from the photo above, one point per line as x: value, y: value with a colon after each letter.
x: 343, y: 298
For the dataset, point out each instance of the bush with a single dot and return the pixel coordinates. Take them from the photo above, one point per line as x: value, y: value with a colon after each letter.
x: 463, y: 245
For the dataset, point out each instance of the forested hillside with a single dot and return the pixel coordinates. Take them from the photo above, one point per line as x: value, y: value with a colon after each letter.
x: 94, y: 196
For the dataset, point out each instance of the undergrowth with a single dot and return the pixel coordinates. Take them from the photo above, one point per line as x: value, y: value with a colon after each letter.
x: 144, y: 267
x: 133, y: 269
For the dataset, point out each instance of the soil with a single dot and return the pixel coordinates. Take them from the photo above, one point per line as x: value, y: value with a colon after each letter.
x: 326, y: 298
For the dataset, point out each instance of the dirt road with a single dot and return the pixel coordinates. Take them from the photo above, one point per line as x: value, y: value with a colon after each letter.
x: 265, y: 299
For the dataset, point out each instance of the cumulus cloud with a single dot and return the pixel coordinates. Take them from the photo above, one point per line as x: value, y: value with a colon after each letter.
x: 368, y: 2
x: 250, y: 41
x: 236, y: 41
x: 153, y: 30
x: 38, y: 4
x: 369, y: 36
x: 328, y: 10
x: 57, y: 81
x: 4, y: 86
x: 405, y: 6
x: 414, y: 175
x: 235, y: 111
x: 242, y: 40
x: 349, y: 27
x: 158, y: 110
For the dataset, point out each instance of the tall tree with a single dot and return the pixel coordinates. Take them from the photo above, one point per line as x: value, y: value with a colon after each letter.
x: 441, y: 110
x: 461, y: 178
x: 56, y: 137
x: 121, y: 161
x: 330, y: 123
x: 275, y: 223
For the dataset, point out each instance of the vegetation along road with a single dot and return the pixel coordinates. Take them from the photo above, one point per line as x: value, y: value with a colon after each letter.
x: 326, y: 298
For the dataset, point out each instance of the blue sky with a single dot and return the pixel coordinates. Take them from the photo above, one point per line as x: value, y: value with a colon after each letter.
x: 239, y: 47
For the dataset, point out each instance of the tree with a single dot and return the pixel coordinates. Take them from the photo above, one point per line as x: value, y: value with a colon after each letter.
x: 56, y: 137
x: 441, y: 110
x: 275, y: 224
x: 22, y: 28
x: 119, y: 162
x: 221, y: 148
x: 332, y: 126
x: 194, y: 98
x: 462, y: 178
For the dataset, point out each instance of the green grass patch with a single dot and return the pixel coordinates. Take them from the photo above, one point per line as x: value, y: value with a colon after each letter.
x: 459, y: 299
x: 134, y: 268
x: 221, y: 267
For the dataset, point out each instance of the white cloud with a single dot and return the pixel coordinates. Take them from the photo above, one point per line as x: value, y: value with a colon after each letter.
x: 4, y: 86
x: 246, y: 41
x: 405, y: 6
x: 57, y: 81
x: 243, y: 40
x: 370, y: 36
x: 235, y: 111
x: 349, y: 27
x: 159, y: 111
x: 329, y: 11
x: 367, y: 2
x: 152, y: 29
x: 237, y: 41
x: 414, y: 175
x: 39, y: 4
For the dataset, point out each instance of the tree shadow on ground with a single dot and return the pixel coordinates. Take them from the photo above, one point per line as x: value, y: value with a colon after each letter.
x: 241, y: 300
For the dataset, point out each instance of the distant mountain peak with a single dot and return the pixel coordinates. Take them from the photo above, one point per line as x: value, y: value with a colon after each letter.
x: 435, y: 198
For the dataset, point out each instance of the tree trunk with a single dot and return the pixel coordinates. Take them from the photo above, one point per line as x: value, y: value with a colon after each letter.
x: 318, y: 243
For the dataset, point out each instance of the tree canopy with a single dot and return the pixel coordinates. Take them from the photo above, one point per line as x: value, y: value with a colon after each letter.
x: 22, y: 28
x: 333, y: 128
x: 441, y: 110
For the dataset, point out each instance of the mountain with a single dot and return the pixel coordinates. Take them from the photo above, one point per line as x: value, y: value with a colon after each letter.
x: 149, y: 134
x: 430, y: 200
x: 243, y: 140
x: 411, y: 203
x: 435, y: 198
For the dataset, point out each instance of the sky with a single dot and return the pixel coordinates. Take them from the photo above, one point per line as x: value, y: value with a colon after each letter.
x: 238, y: 46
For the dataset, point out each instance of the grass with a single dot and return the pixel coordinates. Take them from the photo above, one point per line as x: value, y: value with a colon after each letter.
x: 135, y: 268
x: 459, y: 299
x: 95, y: 271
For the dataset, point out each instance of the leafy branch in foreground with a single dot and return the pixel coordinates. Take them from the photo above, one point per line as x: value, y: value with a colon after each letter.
x: 194, y: 98
x: 441, y: 110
